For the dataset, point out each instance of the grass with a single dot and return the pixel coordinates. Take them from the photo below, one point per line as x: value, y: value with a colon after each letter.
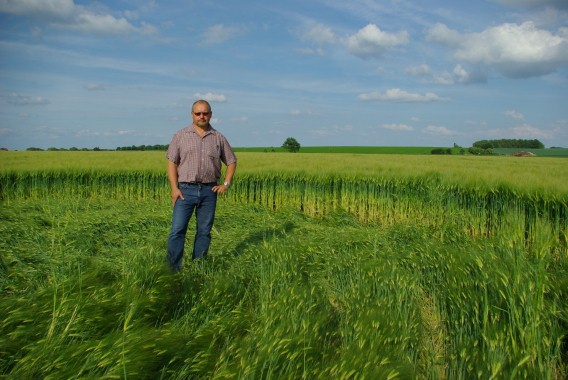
x: 405, y: 150
x: 349, y: 149
x: 84, y: 294
x: 322, y: 266
x: 546, y: 174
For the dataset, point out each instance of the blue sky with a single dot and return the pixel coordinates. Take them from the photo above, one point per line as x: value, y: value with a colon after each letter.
x: 117, y: 73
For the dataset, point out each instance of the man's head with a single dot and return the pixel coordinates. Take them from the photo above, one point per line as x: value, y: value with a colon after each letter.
x: 201, y: 113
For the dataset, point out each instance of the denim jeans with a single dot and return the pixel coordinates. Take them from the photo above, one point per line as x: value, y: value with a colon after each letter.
x: 202, y: 199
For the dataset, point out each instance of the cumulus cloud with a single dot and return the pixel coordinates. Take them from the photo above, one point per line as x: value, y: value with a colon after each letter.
x: 211, y: 97
x: 458, y: 75
x: 242, y: 119
x: 442, y: 34
x: 517, y: 51
x: 95, y: 133
x: 372, y: 42
x: 48, y: 9
x: 65, y: 14
x: 422, y: 69
x: 438, y: 130
x: 401, y: 96
x: 220, y: 33
x: 332, y: 131
x: 105, y: 24
x: 5, y: 131
x: 299, y: 112
x: 319, y: 34
x: 515, y: 115
x: 95, y: 87
x: 398, y: 127
x: 309, y: 51
x: 523, y: 131
x: 528, y: 131
x: 24, y: 100
x: 560, y: 4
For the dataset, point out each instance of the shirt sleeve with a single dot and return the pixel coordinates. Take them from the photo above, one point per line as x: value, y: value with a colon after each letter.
x: 227, y: 155
x: 172, y: 153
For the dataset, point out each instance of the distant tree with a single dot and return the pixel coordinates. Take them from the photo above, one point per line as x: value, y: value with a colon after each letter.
x: 143, y: 147
x: 480, y: 151
x: 291, y: 144
x: 441, y: 151
x: 509, y: 143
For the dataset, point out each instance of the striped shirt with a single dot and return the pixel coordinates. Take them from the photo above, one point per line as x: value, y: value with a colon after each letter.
x: 199, y: 159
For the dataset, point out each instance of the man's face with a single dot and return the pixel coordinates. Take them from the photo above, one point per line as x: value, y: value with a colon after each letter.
x: 201, y: 114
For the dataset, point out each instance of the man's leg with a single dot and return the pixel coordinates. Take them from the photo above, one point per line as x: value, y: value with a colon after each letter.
x: 182, y: 211
x: 205, y: 215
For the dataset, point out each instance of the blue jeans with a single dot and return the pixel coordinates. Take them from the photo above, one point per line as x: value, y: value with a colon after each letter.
x: 202, y: 199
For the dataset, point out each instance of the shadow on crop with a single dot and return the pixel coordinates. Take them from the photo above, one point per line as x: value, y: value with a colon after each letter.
x: 258, y: 237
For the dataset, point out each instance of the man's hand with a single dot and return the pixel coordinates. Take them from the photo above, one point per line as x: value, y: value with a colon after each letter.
x: 219, y: 189
x: 176, y: 193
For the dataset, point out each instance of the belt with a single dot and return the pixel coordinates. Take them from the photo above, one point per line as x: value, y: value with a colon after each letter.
x: 199, y: 183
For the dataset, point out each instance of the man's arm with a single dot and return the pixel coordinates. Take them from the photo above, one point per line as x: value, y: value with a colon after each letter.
x: 220, y: 189
x: 173, y: 178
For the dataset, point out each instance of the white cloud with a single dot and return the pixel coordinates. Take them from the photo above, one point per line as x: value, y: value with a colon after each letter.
x: 242, y: 119
x: 105, y: 24
x: 44, y: 132
x: 515, y: 115
x: 562, y: 4
x: 319, y: 34
x: 461, y: 75
x: 5, y: 131
x: 398, y: 95
x: 24, y: 100
x: 475, y: 123
x: 299, y: 112
x: 437, y: 130
x: 523, y: 131
x: 211, y: 97
x: 528, y: 131
x: 309, y: 51
x: 517, y: 51
x: 91, y: 133
x: 220, y: 33
x: 442, y: 34
x: 64, y: 14
x: 332, y: 131
x: 40, y: 8
x: 398, y: 127
x: 422, y: 69
x: 458, y: 75
x: 372, y: 42
x: 95, y: 87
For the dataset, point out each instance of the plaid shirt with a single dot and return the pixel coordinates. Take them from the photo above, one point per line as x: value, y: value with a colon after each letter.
x: 199, y: 159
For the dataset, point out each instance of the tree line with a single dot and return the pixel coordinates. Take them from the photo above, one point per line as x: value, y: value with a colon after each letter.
x: 292, y: 145
x: 144, y: 147
x: 508, y: 143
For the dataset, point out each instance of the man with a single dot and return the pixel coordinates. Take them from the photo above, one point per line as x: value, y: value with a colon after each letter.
x: 194, y: 168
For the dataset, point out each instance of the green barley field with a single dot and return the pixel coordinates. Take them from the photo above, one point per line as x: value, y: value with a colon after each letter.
x: 322, y: 265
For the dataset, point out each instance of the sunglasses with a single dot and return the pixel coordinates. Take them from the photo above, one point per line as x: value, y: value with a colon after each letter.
x: 202, y: 113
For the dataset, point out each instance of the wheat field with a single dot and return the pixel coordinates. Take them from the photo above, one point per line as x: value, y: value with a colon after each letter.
x: 321, y: 266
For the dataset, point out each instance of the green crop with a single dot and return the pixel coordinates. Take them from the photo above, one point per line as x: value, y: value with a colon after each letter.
x: 332, y: 266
